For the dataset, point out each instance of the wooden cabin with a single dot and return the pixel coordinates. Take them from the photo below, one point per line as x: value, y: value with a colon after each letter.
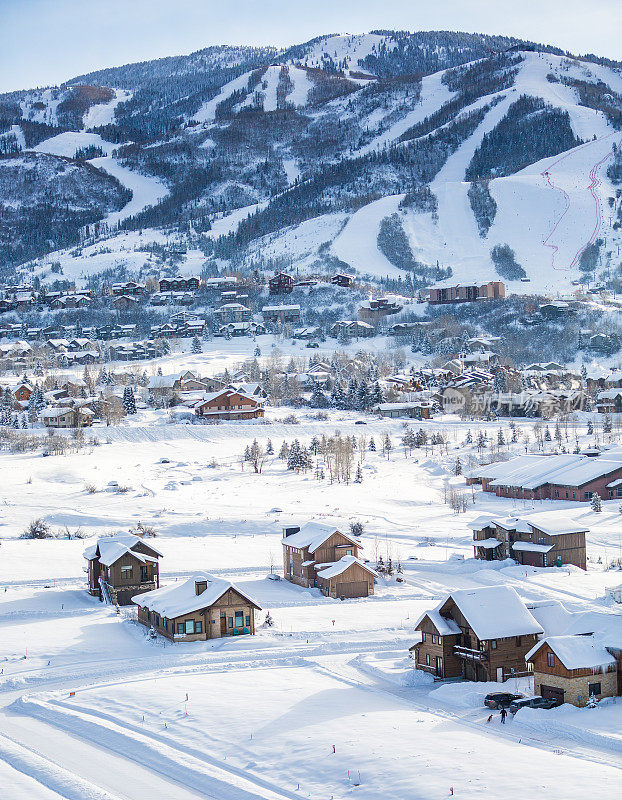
x: 125, y: 564
x: 573, y: 669
x: 202, y: 607
x: 229, y: 404
x: 476, y: 634
x: 281, y: 283
x: 539, y: 540
x: 321, y: 556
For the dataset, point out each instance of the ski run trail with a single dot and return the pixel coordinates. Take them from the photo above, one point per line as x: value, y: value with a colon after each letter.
x: 548, y: 212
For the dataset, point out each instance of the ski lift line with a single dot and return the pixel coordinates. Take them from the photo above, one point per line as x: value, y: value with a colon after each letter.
x: 594, y: 182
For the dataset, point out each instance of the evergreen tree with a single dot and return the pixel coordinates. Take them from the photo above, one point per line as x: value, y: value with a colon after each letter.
x: 547, y: 434
x: 359, y: 474
x: 129, y: 401
x: 500, y: 438
x: 596, y: 503
x: 318, y: 398
x: 372, y: 444
x: 458, y: 467
x: 196, y: 346
x: 269, y: 448
x: 590, y: 427
x: 284, y: 451
x: 469, y: 437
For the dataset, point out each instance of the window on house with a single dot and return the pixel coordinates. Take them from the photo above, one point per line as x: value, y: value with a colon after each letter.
x: 493, y: 644
x: 198, y: 626
x: 550, y: 659
x: 518, y: 641
x: 230, y: 622
x: 424, y: 636
x: 126, y: 572
x: 248, y: 620
x: 556, y: 493
x: 427, y: 659
x: 587, y: 495
x: 594, y: 689
x: 144, y: 573
x: 189, y: 626
x: 180, y: 627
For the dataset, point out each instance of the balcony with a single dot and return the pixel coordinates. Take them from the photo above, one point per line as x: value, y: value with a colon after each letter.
x: 468, y: 654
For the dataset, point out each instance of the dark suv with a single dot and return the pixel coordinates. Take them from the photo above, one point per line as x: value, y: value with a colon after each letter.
x: 501, y: 699
x: 531, y: 702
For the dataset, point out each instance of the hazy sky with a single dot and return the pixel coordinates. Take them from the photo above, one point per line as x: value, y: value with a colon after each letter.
x: 44, y: 42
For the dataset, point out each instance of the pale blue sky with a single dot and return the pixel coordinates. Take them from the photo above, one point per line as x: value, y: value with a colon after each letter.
x: 44, y: 42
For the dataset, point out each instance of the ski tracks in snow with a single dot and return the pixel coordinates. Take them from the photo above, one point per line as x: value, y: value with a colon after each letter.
x: 592, y: 188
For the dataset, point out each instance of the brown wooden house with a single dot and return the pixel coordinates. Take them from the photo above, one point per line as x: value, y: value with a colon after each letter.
x: 572, y: 669
x: 321, y: 556
x: 281, y: 283
x: 547, y: 539
x: 203, y: 607
x: 229, y: 404
x: 476, y: 634
x: 121, y: 566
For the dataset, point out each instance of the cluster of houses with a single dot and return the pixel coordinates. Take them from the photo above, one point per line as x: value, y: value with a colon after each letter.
x: 491, y: 634
x: 479, y: 634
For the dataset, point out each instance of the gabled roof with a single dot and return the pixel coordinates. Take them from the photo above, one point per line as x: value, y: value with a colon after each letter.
x: 344, y: 563
x: 553, y: 523
x: 313, y: 535
x: 111, y: 548
x: 494, y: 612
x: 576, y: 652
x: 444, y: 625
x: 181, y: 598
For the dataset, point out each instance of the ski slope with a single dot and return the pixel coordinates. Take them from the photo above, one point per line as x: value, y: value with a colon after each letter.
x: 146, y: 190
x: 357, y: 244
x: 65, y: 144
x: 103, y: 113
x: 434, y: 94
x: 548, y: 212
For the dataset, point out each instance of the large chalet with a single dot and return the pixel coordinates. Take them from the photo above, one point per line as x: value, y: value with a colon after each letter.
x: 121, y: 566
x: 546, y: 539
x: 229, y: 404
x: 476, y: 634
x: 465, y: 293
x: 319, y: 555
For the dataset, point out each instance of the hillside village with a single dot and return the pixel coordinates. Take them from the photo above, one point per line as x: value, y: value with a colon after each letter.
x: 311, y: 425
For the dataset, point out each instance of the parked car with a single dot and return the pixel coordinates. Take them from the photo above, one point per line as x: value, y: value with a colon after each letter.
x: 501, y: 699
x: 312, y: 345
x: 360, y: 422
x: 531, y: 702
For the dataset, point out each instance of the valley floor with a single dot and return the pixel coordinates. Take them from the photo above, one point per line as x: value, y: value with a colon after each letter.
x: 262, y: 714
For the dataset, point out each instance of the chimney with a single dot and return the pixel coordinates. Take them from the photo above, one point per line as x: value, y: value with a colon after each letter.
x: 200, y: 586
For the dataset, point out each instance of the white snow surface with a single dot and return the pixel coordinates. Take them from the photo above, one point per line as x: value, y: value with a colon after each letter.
x: 146, y: 190
x: 66, y: 143
x: 103, y: 113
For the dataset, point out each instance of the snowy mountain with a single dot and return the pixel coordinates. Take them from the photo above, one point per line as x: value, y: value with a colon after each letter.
x: 403, y: 156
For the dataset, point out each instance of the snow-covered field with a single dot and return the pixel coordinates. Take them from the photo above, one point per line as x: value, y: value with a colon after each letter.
x: 263, y: 713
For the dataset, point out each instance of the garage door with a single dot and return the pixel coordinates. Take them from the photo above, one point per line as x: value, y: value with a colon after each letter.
x: 552, y: 693
x: 353, y: 589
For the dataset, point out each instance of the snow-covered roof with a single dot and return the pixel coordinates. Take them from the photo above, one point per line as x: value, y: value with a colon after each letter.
x: 313, y: 535
x: 444, y: 625
x: 551, y: 615
x: 280, y: 308
x: 344, y: 563
x: 111, y: 548
x: 494, y: 612
x: 489, y: 544
x: 562, y: 470
x: 576, y: 652
x: 182, y: 598
x: 553, y: 523
x: 531, y: 547
x: 163, y: 381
